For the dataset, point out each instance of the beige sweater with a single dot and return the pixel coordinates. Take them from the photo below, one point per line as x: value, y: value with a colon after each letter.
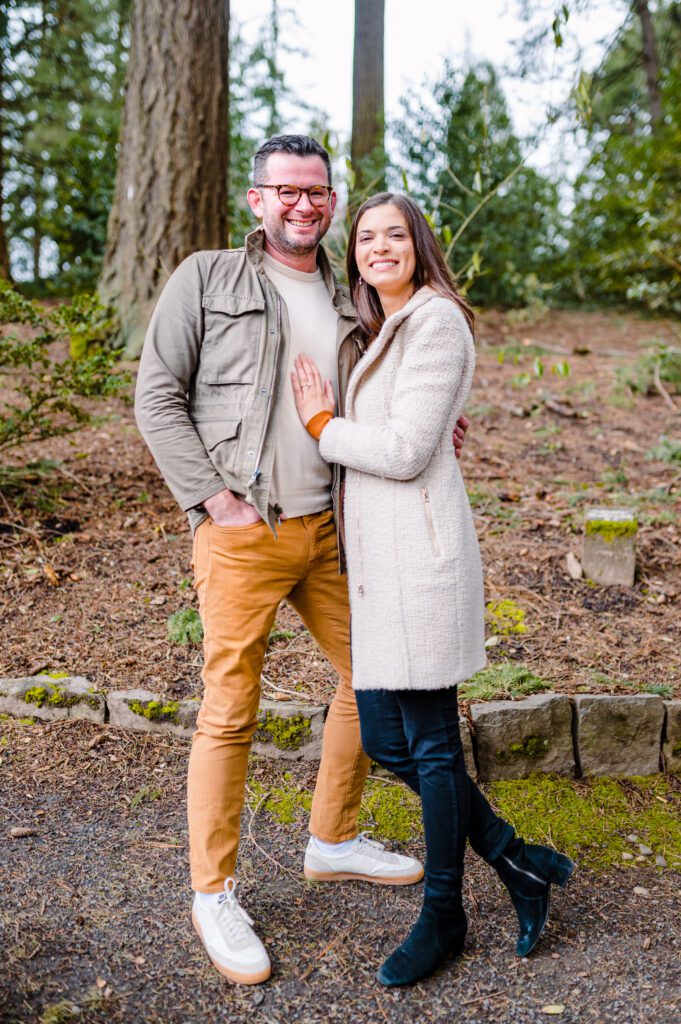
x: 414, y: 569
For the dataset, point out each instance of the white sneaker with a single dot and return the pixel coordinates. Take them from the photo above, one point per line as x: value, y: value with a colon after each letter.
x: 365, y: 859
x: 225, y: 930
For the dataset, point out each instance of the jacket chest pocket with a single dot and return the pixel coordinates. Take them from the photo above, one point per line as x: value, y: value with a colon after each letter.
x: 233, y: 326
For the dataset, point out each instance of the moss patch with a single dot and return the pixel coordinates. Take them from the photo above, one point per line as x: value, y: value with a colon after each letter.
x: 533, y: 746
x: 288, y: 803
x: 54, y: 696
x: 285, y: 733
x: 505, y: 618
x: 394, y: 811
x: 611, y: 530
x: 156, y: 710
x: 590, y: 821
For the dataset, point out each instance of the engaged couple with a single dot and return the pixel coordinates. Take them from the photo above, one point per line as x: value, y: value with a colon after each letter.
x: 308, y: 429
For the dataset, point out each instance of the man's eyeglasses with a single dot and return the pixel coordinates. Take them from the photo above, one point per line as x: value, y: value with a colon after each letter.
x: 289, y: 195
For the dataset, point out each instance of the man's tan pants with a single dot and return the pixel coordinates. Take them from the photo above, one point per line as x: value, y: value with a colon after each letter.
x: 241, y: 576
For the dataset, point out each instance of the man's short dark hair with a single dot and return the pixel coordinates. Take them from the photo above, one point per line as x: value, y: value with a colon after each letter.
x: 298, y: 145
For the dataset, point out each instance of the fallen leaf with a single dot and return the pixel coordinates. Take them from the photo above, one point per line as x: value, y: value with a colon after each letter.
x: 101, y: 982
x: 640, y: 890
x: 20, y: 832
x: 574, y: 567
x: 52, y: 577
x: 139, y: 960
x: 647, y: 942
x: 553, y: 1008
x: 97, y: 740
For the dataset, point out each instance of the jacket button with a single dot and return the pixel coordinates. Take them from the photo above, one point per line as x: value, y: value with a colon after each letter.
x: 263, y: 391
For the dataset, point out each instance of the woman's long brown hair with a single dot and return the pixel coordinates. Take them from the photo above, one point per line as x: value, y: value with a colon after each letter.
x: 431, y: 267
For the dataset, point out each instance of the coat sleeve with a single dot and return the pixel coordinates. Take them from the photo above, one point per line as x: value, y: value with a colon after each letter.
x: 169, y: 359
x: 434, y: 377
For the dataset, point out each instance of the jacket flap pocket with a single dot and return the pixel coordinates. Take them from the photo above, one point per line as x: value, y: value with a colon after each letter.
x: 234, y: 305
x: 213, y: 432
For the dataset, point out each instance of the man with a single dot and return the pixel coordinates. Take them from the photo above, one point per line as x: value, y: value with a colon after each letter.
x: 215, y: 405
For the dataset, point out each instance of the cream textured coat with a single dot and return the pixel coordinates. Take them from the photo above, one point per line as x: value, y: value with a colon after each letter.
x: 414, y: 570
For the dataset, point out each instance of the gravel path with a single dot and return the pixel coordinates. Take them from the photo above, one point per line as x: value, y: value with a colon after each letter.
x: 95, y: 913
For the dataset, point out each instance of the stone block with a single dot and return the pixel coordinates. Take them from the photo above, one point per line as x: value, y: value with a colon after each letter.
x: 609, y: 555
x: 515, y: 739
x: 289, y: 730
x: 671, y: 746
x: 467, y: 744
x: 151, y: 712
x: 619, y: 735
x: 51, y: 699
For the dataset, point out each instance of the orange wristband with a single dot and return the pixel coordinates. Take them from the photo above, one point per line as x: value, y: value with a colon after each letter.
x: 317, y: 423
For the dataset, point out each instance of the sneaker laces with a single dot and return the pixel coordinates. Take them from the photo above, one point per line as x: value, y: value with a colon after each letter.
x: 231, y: 915
x: 380, y: 851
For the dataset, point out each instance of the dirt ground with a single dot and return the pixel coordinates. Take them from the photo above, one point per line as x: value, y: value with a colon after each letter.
x: 95, y: 926
x: 94, y: 557
x: 94, y: 554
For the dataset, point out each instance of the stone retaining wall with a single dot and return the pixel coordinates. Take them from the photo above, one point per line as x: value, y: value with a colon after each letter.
x: 574, y: 736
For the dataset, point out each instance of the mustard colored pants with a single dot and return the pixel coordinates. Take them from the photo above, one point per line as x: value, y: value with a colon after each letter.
x: 241, y: 576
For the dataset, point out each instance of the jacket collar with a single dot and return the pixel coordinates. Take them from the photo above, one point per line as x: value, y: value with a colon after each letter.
x: 255, y: 243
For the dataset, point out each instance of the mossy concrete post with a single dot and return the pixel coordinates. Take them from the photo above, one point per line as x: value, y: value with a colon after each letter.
x: 52, y: 698
x: 671, y: 745
x: 609, y: 556
x: 619, y: 735
x: 289, y: 730
x: 145, y: 711
x: 515, y: 739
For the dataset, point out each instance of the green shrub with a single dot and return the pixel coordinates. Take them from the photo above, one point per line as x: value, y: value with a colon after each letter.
x: 45, y: 402
x: 184, y: 627
x: 502, y: 680
x: 668, y: 450
x: 665, y: 360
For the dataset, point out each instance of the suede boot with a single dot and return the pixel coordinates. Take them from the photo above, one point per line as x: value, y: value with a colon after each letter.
x: 528, y: 872
x: 440, y: 930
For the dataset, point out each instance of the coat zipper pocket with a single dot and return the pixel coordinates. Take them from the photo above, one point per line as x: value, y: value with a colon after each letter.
x: 429, y: 521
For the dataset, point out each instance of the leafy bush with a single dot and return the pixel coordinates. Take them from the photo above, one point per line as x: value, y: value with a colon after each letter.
x: 663, y: 361
x: 46, y: 387
x: 184, y: 627
x: 668, y: 450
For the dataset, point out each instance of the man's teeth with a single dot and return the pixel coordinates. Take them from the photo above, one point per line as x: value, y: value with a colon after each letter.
x: 301, y: 223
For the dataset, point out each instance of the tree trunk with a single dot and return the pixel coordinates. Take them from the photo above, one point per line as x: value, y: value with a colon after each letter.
x: 368, y: 119
x: 650, y: 61
x: 171, y: 184
x: 4, y: 249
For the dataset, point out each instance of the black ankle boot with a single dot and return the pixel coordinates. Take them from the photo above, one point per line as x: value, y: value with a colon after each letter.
x: 528, y: 872
x: 439, y: 930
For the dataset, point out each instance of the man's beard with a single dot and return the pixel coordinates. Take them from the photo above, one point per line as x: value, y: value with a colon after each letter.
x: 293, y: 248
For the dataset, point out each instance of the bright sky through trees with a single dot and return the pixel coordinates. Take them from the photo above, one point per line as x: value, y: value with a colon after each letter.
x: 416, y: 46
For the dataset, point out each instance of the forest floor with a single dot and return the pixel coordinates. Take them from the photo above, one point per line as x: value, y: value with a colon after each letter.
x: 94, y: 557
x: 94, y: 553
x: 95, y: 925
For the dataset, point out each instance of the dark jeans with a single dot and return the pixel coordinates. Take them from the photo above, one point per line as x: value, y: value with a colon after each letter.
x: 415, y: 733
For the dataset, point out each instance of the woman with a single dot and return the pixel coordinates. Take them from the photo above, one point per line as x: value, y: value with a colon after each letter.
x: 414, y: 571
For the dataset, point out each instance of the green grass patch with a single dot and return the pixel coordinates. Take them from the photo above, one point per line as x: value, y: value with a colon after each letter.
x: 590, y: 820
x: 502, y: 680
x: 668, y: 450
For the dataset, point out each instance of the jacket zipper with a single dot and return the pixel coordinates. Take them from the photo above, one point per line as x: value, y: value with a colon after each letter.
x: 429, y: 521
x: 257, y: 471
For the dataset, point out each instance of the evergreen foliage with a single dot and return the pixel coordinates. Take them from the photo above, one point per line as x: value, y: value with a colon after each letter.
x: 496, y: 217
x: 625, y: 237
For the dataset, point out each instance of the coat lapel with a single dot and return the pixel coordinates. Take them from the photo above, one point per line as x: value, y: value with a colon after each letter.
x: 377, y: 347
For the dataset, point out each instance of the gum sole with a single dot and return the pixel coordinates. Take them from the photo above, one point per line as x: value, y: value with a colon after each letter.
x: 238, y: 979
x: 347, y: 876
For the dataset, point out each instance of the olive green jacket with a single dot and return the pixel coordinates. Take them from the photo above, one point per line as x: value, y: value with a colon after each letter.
x: 212, y: 366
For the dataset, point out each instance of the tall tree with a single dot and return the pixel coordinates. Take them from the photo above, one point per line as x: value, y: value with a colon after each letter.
x: 171, y: 183
x: 367, y: 149
x: 4, y: 38
x: 650, y: 60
